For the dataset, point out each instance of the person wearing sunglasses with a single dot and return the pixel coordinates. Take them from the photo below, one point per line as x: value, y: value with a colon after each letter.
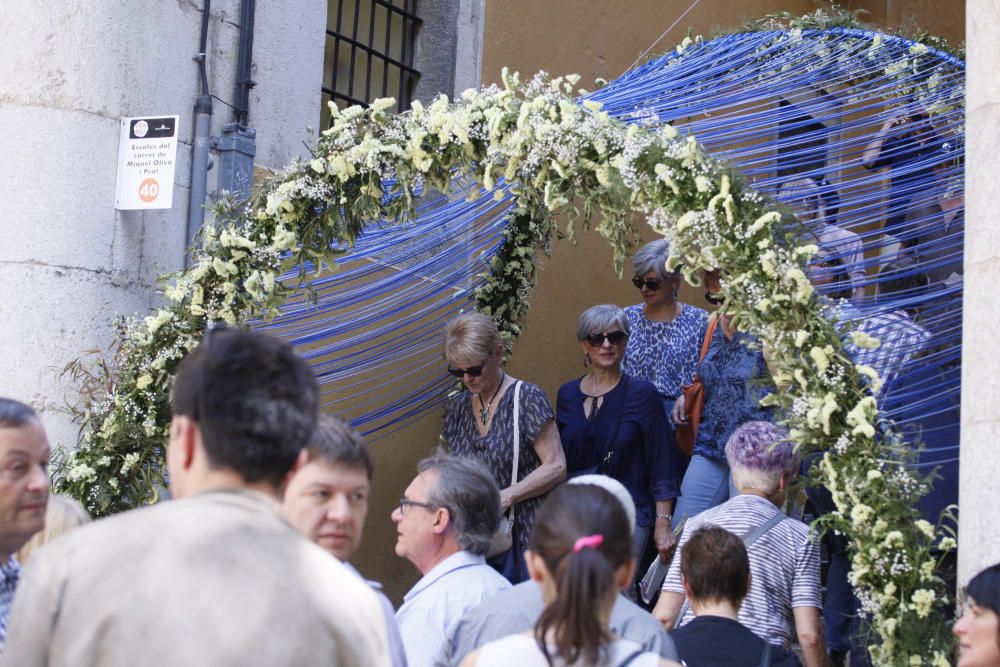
x: 666, y: 333
x: 613, y: 424
x: 479, y: 422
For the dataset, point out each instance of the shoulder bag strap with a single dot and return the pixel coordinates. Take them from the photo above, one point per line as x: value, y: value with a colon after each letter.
x: 713, y: 321
x: 753, y: 535
x: 517, y: 440
x: 748, y: 539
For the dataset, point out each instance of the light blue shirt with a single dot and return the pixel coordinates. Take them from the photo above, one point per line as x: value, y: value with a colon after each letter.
x: 396, y: 651
x: 438, y: 601
x: 516, y: 610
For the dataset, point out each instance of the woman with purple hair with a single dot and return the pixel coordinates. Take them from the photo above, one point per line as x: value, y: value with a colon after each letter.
x: 784, y: 599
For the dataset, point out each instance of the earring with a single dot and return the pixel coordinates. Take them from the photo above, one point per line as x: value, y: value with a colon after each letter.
x: 675, y: 291
x: 586, y: 359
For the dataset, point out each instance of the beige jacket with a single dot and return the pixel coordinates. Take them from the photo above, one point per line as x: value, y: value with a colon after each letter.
x: 220, y: 579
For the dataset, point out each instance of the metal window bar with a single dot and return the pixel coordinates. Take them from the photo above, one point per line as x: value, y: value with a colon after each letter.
x: 364, y: 52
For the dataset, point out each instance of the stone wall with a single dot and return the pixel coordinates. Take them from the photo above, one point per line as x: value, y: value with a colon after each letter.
x: 69, y: 262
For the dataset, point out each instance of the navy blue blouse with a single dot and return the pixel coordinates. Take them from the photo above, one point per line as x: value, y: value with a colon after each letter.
x: 644, y: 457
x: 735, y: 379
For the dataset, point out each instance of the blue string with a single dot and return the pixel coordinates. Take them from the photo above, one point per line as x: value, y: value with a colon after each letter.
x: 756, y: 101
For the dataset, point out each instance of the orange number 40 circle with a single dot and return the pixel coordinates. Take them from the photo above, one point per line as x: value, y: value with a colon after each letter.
x: 149, y: 190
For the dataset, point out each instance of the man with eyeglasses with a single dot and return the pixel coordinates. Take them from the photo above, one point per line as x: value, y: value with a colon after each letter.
x: 444, y: 524
x: 216, y: 576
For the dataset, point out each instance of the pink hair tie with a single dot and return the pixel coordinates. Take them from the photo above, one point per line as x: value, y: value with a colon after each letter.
x: 588, y: 542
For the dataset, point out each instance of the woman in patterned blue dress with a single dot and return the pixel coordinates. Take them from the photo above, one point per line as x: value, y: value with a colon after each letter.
x: 735, y: 377
x: 666, y: 334
x: 479, y: 422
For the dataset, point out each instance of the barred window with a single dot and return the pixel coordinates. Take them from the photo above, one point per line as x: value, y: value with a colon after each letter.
x: 369, y: 53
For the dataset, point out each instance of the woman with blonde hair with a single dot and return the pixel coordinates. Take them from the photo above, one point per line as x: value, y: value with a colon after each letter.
x: 479, y: 422
x: 62, y: 514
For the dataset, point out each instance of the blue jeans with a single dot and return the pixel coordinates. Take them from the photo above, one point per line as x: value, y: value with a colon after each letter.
x: 707, y: 483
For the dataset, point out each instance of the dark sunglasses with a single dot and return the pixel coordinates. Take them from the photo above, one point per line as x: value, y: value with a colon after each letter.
x: 475, y: 371
x: 651, y: 285
x: 615, y: 337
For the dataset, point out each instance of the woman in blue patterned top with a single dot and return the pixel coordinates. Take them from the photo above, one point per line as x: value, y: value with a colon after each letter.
x: 666, y: 334
x: 736, y: 378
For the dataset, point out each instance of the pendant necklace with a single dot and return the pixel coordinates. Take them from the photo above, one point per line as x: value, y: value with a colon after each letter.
x: 484, y: 409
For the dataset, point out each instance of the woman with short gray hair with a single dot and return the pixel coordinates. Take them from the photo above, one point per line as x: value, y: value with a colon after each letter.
x: 666, y: 333
x: 613, y: 424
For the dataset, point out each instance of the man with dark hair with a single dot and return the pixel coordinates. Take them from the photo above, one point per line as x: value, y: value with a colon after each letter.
x: 444, y: 524
x: 715, y: 572
x: 216, y: 576
x: 327, y: 500
x: 24, y: 492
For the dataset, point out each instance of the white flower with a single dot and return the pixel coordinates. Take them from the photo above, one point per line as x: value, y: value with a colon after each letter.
x: 925, y: 527
x: 143, y: 381
x: 864, y: 341
x: 763, y: 221
x: 922, y: 599
x: 381, y: 104
x: 153, y: 324
x: 81, y: 473
x: 918, y: 49
x: 317, y: 165
x: 130, y: 460
x: 860, y: 514
x: 858, y: 417
x: 820, y: 358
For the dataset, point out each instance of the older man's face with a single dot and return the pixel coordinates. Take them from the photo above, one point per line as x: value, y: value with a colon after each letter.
x: 415, y: 520
x: 24, y: 484
x: 328, y: 504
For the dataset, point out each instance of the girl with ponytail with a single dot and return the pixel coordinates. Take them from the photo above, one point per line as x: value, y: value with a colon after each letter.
x: 580, y: 554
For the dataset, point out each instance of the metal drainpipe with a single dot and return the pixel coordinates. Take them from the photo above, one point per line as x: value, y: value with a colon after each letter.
x: 237, y: 144
x: 202, y: 141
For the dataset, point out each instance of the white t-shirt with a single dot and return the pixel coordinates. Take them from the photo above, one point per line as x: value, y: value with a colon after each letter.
x: 522, y: 650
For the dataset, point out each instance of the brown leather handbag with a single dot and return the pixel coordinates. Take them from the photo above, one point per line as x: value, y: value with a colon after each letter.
x: 694, y: 399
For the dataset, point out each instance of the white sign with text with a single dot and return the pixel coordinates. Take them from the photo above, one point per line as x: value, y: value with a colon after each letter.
x: 147, y: 155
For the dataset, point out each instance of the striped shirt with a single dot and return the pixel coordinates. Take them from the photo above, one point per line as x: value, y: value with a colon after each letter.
x: 10, y: 573
x: 784, y: 566
x: 900, y: 338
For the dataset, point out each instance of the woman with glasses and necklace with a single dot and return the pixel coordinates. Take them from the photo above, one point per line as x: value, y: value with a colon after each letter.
x: 479, y: 422
x: 666, y: 333
x: 613, y: 424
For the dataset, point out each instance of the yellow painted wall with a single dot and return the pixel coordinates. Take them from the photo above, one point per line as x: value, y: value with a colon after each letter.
x: 594, y: 38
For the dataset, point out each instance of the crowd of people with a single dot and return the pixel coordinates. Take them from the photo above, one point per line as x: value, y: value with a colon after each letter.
x: 532, y: 531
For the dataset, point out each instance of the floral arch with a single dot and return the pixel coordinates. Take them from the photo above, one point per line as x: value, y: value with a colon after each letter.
x: 550, y: 154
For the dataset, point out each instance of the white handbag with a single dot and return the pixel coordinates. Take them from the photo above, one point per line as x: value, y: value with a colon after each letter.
x: 503, y: 538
